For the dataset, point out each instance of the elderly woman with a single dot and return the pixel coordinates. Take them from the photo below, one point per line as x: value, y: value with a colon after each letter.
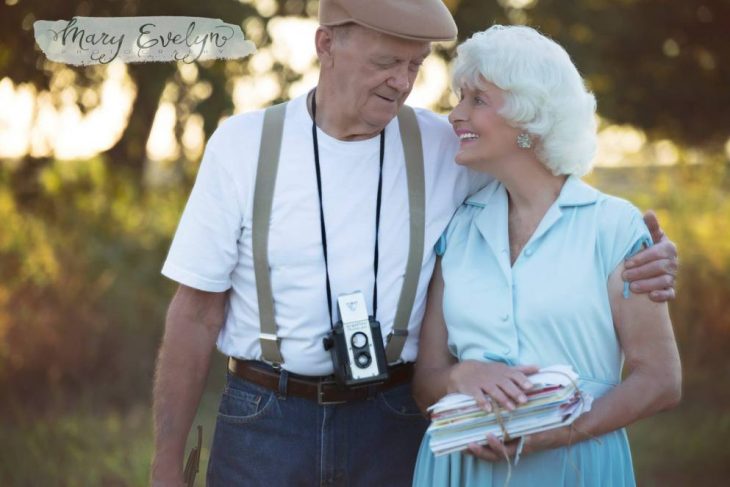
x: 530, y: 275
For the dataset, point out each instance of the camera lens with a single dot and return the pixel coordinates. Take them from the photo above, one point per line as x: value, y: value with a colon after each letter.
x: 363, y: 359
x: 359, y: 340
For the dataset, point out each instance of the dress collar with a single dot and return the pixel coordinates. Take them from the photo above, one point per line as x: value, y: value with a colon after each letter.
x: 573, y: 193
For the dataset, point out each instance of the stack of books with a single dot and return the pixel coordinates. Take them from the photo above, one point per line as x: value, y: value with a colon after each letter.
x: 554, y: 401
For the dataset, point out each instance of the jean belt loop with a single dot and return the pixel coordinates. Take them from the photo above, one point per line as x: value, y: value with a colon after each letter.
x: 283, y: 380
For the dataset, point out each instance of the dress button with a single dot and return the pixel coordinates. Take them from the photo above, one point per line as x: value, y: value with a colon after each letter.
x: 504, y: 317
x: 507, y: 351
x: 529, y: 252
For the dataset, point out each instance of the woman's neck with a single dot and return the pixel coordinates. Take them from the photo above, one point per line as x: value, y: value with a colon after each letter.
x: 531, y: 192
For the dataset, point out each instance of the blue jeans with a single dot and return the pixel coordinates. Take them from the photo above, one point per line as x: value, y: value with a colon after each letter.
x: 266, y: 438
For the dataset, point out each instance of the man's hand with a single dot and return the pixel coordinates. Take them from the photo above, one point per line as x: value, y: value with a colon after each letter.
x: 654, y: 270
x: 497, y: 451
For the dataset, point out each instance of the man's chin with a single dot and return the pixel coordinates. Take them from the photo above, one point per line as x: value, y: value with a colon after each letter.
x: 381, y: 118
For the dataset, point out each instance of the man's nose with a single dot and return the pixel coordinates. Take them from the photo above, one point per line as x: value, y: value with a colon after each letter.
x: 400, y: 80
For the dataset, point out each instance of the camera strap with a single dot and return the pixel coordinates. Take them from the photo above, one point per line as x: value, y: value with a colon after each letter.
x: 268, y: 163
x: 322, y: 227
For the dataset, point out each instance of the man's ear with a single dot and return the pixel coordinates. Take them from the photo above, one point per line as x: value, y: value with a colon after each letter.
x: 324, y: 40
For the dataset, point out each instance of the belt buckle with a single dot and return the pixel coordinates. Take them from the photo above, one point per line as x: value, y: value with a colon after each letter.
x: 320, y: 394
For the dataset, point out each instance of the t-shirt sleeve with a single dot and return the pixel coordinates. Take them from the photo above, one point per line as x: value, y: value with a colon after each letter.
x: 623, y: 234
x: 204, y: 250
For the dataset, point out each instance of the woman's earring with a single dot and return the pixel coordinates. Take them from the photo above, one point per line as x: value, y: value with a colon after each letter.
x: 524, y: 141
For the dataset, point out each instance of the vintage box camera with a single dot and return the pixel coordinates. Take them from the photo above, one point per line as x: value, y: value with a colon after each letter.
x: 356, y: 344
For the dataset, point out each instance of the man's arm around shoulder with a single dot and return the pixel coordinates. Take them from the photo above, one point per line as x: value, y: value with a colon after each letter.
x: 194, y: 319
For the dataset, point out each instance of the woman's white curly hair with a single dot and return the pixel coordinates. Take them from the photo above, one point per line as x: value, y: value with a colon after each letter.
x: 545, y: 94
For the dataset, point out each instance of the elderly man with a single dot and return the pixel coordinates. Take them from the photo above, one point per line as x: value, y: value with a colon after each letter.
x: 362, y: 191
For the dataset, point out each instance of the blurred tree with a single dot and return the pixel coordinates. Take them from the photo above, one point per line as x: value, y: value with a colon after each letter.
x: 656, y: 64
x: 652, y: 63
x: 26, y: 65
x: 81, y: 243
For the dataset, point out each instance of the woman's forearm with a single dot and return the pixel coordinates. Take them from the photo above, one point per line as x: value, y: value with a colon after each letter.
x: 654, y: 378
x: 430, y: 384
x: 434, y: 359
x: 643, y: 393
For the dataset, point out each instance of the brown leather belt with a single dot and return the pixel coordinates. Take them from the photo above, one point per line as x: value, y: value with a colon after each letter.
x: 324, y: 390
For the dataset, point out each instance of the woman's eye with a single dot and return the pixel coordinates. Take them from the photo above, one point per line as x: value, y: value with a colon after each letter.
x: 478, y: 100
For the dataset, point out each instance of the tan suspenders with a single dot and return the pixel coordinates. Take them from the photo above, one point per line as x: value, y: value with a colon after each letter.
x: 268, y: 164
x: 413, y: 150
x: 262, y: 198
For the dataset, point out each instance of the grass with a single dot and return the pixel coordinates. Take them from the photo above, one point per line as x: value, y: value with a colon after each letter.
x: 84, y: 441
x: 79, y: 448
x: 687, y: 446
x: 92, y: 445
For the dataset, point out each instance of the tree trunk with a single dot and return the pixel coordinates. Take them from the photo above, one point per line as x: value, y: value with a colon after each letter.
x: 130, y: 150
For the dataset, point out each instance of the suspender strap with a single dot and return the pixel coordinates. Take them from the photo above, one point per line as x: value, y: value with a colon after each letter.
x: 263, y: 197
x: 413, y: 150
x: 268, y: 163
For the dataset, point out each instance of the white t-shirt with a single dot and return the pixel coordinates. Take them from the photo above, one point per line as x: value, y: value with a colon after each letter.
x: 212, y: 250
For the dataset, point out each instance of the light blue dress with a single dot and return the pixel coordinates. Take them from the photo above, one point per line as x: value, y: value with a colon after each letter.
x: 550, y: 307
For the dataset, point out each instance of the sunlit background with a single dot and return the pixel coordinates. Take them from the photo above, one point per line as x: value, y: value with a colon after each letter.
x: 96, y: 164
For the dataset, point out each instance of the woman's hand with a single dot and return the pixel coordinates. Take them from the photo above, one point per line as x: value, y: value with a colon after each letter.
x: 485, y: 380
x: 496, y: 451
x: 438, y: 373
x: 546, y: 440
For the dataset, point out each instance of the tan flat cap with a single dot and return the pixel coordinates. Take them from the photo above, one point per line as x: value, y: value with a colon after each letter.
x: 421, y: 20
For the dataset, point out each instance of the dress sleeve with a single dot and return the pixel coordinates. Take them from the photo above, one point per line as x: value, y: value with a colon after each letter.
x: 204, y: 250
x: 623, y: 234
x: 440, y: 246
x: 460, y: 216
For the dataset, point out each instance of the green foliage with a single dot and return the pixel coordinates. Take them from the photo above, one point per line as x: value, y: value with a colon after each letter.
x: 26, y: 64
x: 693, y: 204
x: 682, y: 447
x: 79, y: 282
x: 86, y: 447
